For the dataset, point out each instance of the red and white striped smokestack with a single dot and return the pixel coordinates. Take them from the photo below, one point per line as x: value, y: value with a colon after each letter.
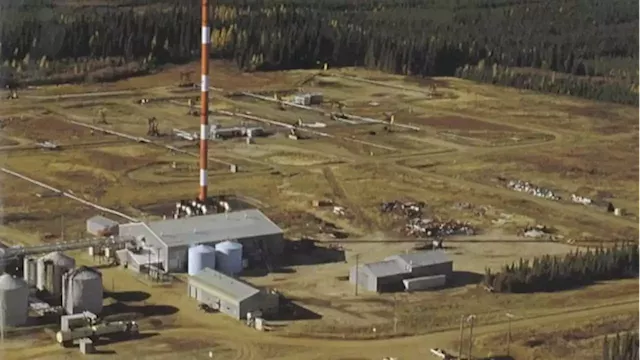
x: 204, y: 99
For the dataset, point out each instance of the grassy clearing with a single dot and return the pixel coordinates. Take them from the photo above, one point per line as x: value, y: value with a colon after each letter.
x: 574, y: 340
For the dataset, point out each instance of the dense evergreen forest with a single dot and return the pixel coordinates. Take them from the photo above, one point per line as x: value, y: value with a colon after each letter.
x: 586, y: 48
x: 621, y: 347
x: 552, y: 273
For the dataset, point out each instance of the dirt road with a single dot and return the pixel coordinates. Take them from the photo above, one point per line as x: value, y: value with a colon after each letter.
x: 247, y: 344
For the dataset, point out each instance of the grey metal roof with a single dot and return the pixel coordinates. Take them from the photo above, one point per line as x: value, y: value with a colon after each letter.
x: 103, y: 221
x: 420, y: 259
x: 222, y: 285
x: 383, y: 268
x: 206, y: 228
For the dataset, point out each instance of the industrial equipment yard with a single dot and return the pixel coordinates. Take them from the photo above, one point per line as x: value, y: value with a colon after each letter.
x: 487, y: 163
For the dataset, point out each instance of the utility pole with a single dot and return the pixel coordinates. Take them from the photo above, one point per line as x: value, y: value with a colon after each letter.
x: 395, y: 314
x: 158, y: 264
x: 357, y: 272
x: 461, y: 336
x: 510, y: 316
x: 471, y: 320
x: 61, y: 227
x: 2, y: 311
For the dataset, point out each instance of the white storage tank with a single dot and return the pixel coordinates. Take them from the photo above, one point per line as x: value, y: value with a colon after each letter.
x: 30, y: 270
x: 425, y: 282
x: 83, y: 291
x: 2, y: 264
x: 14, y: 300
x: 200, y: 257
x: 50, y: 269
x: 229, y: 257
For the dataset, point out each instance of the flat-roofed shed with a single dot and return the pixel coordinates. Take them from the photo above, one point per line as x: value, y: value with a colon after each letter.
x: 378, y: 276
x: 230, y: 295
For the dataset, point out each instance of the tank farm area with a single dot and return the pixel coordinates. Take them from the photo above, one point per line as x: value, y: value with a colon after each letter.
x: 301, y: 214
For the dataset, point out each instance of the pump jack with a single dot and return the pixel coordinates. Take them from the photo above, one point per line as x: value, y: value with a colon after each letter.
x: 152, y: 130
x: 185, y: 79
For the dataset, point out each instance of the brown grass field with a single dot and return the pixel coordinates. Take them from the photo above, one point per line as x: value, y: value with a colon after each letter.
x: 469, y: 135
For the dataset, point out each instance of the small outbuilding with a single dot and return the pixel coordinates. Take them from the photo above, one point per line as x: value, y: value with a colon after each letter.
x: 389, y: 274
x: 379, y: 276
x: 101, y: 226
x: 230, y: 295
x: 424, y: 263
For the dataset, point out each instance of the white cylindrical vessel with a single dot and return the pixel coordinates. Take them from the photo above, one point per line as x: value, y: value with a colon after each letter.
x: 200, y: 257
x: 229, y: 257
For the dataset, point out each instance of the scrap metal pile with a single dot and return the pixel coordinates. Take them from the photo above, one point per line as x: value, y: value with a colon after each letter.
x: 419, y: 226
x: 409, y: 209
x: 581, y: 200
x: 529, y: 188
x: 434, y: 228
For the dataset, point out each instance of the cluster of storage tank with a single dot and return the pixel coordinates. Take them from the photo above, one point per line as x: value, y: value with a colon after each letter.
x: 75, y: 289
x: 196, y: 207
x: 225, y: 257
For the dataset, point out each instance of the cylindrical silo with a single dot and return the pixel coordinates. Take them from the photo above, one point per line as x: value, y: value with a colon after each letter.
x: 200, y: 257
x: 50, y: 276
x: 14, y: 300
x: 2, y: 261
x: 29, y: 270
x: 229, y: 257
x: 83, y: 291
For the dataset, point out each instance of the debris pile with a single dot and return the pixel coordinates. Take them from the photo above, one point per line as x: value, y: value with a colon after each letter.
x: 419, y: 226
x: 322, y: 203
x: 435, y: 228
x: 339, y: 210
x: 409, y: 209
x: 540, y: 232
x: 527, y: 187
x: 581, y: 200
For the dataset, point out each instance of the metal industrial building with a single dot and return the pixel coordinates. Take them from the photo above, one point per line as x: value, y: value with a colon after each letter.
x: 169, y: 240
x: 230, y: 295
x: 388, y: 275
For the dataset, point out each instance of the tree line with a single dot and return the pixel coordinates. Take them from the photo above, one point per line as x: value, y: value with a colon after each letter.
x: 585, y: 41
x: 621, y: 347
x: 553, y: 273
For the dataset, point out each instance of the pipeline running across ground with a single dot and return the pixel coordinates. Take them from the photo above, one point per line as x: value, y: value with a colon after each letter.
x: 68, y: 195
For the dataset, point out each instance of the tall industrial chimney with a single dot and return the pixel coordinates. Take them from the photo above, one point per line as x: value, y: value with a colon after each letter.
x: 204, y: 100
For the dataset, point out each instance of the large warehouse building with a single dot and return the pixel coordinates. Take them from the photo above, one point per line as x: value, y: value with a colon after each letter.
x: 168, y: 241
x: 425, y: 269
x: 231, y: 296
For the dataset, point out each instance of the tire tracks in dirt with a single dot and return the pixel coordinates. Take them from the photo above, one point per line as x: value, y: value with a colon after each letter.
x: 341, y: 194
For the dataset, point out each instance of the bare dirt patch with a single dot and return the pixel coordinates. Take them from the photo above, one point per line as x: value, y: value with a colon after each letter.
x: 602, y: 160
x: 426, y: 82
x: 604, y: 121
x: 46, y: 128
x: 463, y: 123
x: 495, y: 138
x: 164, y: 171
x: 7, y: 142
x: 112, y: 162
x: 223, y: 74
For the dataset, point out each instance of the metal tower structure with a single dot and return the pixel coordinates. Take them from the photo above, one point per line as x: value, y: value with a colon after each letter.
x: 204, y: 99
